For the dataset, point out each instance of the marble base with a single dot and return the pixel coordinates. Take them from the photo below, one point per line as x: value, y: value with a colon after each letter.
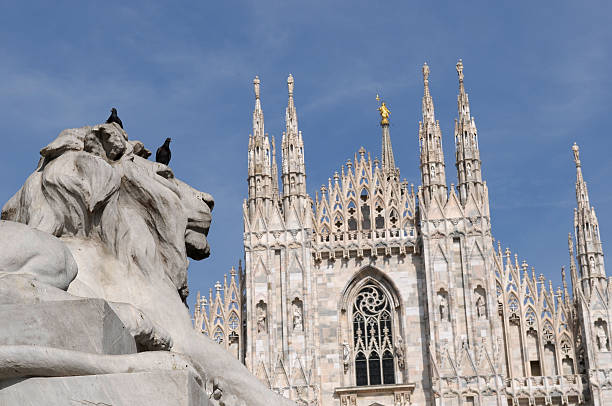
x: 87, y: 325
x: 159, y: 388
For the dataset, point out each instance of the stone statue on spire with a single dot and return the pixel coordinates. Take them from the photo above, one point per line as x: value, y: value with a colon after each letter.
x: 425, y: 72
x: 460, y: 70
x: 576, y: 151
x: 256, y: 83
x: 290, y: 84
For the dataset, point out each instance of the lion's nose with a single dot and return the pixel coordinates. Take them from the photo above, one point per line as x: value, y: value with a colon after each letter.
x: 206, y: 198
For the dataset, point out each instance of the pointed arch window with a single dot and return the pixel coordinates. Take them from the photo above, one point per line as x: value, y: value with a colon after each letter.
x: 352, y: 222
x: 218, y: 335
x: 325, y: 233
x: 338, y: 221
x: 365, y: 210
x: 234, y: 321
x: 372, y: 319
x: 513, y: 307
x: 379, y: 221
x: 393, y: 218
x: 530, y: 318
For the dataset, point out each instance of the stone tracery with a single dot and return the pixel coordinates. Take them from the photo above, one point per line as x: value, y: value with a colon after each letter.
x: 373, y: 337
x: 219, y: 315
x: 511, y: 350
x: 356, y: 224
x: 542, y: 315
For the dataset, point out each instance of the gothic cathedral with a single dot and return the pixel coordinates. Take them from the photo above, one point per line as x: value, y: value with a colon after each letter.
x: 377, y: 294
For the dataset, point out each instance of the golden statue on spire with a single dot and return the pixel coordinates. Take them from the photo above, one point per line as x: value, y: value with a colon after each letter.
x: 384, y: 112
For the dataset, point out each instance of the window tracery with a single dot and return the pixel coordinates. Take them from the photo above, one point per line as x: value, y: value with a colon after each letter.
x: 218, y: 335
x: 393, y: 217
x: 380, y: 219
x: 547, y: 333
x: 513, y: 306
x: 542, y: 318
x: 373, y: 337
x: 530, y: 318
x: 566, y: 347
x: 365, y: 216
x: 338, y: 221
x: 219, y: 315
x: 234, y: 321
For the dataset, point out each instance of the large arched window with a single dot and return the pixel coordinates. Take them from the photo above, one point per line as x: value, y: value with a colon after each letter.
x: 372, y: 320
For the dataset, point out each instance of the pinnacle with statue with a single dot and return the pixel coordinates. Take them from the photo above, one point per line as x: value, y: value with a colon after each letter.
x: 384, y: 111
x: 373, y: 292
x: 351, y: 297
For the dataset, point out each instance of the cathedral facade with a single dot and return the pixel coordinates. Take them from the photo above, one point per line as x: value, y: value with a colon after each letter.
x: 375, y: 293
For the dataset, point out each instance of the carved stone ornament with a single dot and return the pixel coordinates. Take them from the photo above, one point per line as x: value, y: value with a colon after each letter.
x: 96, y: 226
x: 346, y: 356
x: 399, y: 352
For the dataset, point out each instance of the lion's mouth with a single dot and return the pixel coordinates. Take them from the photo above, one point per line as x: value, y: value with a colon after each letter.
x: 199, y: 205
x: 196, y: 242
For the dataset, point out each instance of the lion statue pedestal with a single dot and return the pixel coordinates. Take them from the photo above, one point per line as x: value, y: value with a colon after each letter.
x: 93, y: 279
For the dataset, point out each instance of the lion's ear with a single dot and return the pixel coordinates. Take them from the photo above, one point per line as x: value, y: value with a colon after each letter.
x: 101, y: 180
x: 80, y: 180
x: 68, y: 140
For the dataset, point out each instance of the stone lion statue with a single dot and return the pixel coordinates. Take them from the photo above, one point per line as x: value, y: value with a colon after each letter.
x: 97, y: 220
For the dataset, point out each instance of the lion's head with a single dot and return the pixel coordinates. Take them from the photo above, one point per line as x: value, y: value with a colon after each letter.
x: 93, y: 183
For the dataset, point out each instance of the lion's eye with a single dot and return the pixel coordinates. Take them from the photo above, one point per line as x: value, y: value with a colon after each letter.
x: 165, y: 173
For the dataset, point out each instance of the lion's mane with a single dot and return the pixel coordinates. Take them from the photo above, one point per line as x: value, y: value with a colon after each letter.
x: 92, y: 184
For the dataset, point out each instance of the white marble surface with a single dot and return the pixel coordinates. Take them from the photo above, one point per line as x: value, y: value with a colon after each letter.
x: 88, y: 325
x: 129, y: 225
x: 159, y: 388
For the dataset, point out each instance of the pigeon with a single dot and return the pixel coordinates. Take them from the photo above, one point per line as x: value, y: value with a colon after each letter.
x: 113, y: 118
x: 163, y: 154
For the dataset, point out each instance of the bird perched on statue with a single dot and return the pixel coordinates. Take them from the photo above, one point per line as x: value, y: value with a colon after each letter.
x: 114, y: 118
x: 163, y: 154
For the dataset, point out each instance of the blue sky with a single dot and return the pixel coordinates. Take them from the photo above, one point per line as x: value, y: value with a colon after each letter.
x: 538, y: 76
